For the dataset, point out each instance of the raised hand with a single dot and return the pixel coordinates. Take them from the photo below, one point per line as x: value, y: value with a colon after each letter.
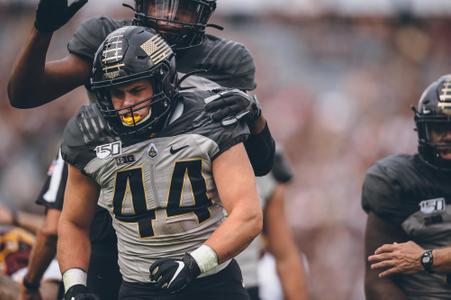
x: 53, y: 14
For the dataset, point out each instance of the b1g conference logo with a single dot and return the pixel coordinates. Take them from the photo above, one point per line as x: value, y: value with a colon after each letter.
x: 432, y: 206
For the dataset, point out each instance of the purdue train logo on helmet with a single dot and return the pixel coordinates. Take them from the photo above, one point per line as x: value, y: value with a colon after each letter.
x: 433, y: 116
x: 129, y: 54
x: 181, y: 22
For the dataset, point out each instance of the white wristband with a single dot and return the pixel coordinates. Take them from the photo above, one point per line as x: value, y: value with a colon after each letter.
x: 73, y: 277
x: 205, y: 257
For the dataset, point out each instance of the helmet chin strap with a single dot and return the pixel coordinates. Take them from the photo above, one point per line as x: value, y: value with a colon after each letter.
x: 215, y: 26
x: 128, y: 6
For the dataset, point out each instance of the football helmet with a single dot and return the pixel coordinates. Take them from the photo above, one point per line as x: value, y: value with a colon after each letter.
x: 433, y: 114
x: 181, y: 22
x: 129, y: 54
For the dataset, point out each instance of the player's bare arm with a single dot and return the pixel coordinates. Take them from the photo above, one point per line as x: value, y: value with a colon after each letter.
x: 378, y: 233
x: 282, y: 245
x: 34, y: 82
x: 236, y: 186
x: 44, y: 250
x: 74, y: 246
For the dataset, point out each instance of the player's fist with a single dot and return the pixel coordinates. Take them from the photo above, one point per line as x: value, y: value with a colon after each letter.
x: 229, y: 106
x: 173, y: 275
x: 52, y: 14
x: 79, y: 292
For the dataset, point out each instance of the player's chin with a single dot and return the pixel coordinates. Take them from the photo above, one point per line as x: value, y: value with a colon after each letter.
x: 445, y: 154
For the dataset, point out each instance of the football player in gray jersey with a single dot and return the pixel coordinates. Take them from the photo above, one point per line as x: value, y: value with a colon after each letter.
x: 408, y: 202
x: 225, y: 62
x: 166, y: 173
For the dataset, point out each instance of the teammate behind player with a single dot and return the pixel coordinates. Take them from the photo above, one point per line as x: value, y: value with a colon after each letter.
x: 406, y: 198
x: 166, y: 173
x: 34, y: 82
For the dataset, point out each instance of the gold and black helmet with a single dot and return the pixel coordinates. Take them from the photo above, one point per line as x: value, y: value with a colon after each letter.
x: 129, y: 54
x: 433, y: 113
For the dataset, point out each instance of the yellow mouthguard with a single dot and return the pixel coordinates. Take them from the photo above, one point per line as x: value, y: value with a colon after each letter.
x: 131, y: 120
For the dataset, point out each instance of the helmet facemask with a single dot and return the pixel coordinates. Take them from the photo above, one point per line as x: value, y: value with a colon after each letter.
x: 128, y: 120
x: 181, y: 22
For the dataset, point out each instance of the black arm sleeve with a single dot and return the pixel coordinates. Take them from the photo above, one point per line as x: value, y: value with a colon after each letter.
x: 261, y: 149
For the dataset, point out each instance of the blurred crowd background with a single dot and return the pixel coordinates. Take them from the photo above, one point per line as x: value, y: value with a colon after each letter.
x: 336, y: 79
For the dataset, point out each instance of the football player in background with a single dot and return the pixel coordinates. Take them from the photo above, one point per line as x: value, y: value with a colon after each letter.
x: 44, y: 248
x: 277, y: 235
x: 165, y: 173
x: 406, y: 198
x: 17, y: 236
x: 35, y: 82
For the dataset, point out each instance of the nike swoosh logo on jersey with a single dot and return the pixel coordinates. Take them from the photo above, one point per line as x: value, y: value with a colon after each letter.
x: 179, y: 269
x: 174, y: 151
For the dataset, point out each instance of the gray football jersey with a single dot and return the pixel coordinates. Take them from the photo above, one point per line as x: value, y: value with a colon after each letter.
x: 405, y: 191
x: 160, y: 191
x: 430, y: 227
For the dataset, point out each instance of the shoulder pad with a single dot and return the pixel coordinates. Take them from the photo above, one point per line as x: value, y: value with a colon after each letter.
x: 90, y: 34
x: 195, y: 120
x: 228, y: 63
x: 83, y: 134
x: 384, y: 188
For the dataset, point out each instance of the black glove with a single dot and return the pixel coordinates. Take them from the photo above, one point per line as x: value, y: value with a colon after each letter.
x: 52, y: 14
x: 79, y: 292
x: 173, y: 274
x: 230, y: 106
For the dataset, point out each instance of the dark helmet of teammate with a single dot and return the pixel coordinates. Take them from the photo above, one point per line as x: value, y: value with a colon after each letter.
x: 181, y: 22
x: 129, y: 54
x: 434, y: 114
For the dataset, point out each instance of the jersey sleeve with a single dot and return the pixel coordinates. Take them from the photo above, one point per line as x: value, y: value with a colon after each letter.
x: 73, y: 149
x: 381, y: 194
x: 245, y: 71
x: 84, y: 132
x: 52, y: 193
x: 90, y: 34
x: 237, y: 65
x: 228, y: 63
x: 227, y: 137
